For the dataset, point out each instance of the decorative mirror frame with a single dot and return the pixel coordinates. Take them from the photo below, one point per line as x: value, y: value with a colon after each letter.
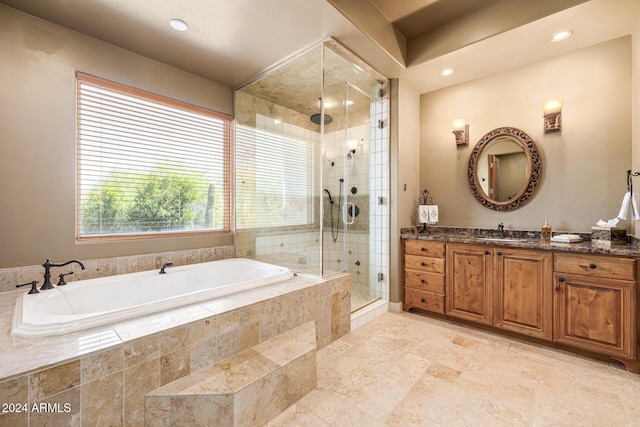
x: 533, y: 176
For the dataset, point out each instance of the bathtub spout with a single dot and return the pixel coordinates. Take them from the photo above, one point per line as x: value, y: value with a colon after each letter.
x: 47, y: 271
x: 165, y: 265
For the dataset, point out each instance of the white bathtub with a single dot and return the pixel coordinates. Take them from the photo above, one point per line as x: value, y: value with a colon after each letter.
x: 89, y: 303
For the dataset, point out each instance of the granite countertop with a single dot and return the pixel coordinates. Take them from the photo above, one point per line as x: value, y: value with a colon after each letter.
x: 532, y: 240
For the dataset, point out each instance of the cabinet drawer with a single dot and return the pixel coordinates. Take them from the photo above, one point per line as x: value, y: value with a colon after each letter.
x: 424, y: 248
x: 424, y: 300
x: 422, y: 263
x: 424, y: 281
x: 596, y: 266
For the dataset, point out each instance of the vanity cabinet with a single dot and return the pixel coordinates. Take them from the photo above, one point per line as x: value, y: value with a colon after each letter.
x: 424, y: 272
x: 469, y: 286
x: 503, y: 287
x: 595, y: 301
x: 582, y: 300
x: 523, y: 292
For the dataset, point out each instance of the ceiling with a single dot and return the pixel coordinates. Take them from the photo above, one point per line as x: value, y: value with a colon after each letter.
x: 232, y: 42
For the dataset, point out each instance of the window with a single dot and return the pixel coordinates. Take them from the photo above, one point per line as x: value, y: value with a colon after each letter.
x: 148, y: 165
x: 274, y: 177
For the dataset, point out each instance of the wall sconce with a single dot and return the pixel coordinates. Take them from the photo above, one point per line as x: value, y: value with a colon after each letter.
x: 352, y: 144
x: 552, y: 115
x: 461, y: 131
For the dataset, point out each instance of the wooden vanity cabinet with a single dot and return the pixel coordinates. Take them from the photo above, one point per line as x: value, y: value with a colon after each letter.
x: 469, y: 280
x: 523, y: 292
x: 595, y: 303
x: 424, y: 272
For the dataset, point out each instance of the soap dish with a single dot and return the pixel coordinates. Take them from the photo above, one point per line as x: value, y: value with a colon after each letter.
x: 566, y: 238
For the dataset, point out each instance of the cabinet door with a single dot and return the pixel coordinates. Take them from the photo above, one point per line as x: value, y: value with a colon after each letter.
x: 469, y: 288
x: 523, y: 292
x: 595, y: 314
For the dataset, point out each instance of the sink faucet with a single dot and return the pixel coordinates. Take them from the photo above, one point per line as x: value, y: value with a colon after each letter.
x: 501, y: 229
x: 47, y: 272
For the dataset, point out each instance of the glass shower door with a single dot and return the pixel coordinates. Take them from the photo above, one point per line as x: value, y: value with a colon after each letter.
x: 351, y: 97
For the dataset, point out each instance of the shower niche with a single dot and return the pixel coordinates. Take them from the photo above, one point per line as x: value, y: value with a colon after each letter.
x: 311, y: 165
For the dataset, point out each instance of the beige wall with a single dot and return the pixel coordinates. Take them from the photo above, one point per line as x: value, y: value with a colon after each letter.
x: 584, y: 166
x: 405, y: 170
x: 37, y: 135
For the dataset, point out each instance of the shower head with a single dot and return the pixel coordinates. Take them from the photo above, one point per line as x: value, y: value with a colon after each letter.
x: 315, y: 118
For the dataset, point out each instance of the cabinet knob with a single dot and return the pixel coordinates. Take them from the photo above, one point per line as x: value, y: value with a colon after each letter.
x: 499, y: 253
x: 422, y: 264
x: 486, y: 252
x: 560, y: 280
x: 422, y: 300
x: 423, y: 249
x: 592, y: 266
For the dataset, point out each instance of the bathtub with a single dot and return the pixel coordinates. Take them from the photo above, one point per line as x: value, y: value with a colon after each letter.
x: 89, y: 303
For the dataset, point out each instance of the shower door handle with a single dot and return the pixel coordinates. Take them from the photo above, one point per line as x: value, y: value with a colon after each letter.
x: 345, y: 211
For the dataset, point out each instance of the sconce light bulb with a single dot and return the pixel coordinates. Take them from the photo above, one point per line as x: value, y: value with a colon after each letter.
x: 458, y: 124
x: 552, y: 106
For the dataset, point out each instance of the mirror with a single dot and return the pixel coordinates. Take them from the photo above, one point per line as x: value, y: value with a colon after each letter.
x: 504, y: 169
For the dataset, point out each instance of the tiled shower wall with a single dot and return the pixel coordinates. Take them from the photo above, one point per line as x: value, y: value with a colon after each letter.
x: 379, y: 199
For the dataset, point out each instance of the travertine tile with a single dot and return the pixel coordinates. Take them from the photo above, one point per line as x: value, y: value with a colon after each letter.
x: 205, y: 410
x: 141, y: 350
x: 50, y: 381
x: 175, y: 365
x: 103, y: 401
x: 138, y: 381
x: 63, y: 409
x: 101, y: 364
x: 174, y: 339
x: 157, y: 411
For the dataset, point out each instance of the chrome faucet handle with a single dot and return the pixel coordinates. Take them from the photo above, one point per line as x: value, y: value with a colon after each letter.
x: 34, y: 288
x: 61, y: 281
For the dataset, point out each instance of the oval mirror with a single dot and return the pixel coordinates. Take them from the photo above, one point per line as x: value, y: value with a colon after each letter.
x: 504, y: 169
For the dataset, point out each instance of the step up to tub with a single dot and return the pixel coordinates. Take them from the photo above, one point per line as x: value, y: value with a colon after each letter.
x: 248, y: 389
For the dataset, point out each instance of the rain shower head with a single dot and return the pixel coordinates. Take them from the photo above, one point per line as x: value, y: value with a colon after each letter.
x: 315, y: 118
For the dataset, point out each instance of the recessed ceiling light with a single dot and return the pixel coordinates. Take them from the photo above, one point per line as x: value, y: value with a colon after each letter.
x: 178, y: 25
x: 447, y: 72
x: 562, y: 35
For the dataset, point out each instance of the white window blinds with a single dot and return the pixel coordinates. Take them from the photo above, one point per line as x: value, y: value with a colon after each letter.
x: 274, y: 178
x: 148, y: 165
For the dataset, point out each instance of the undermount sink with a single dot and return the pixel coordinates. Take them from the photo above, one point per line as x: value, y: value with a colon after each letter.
x: 504, y: 239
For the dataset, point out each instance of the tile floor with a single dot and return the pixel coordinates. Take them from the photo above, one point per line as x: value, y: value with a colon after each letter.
x: 404, y: 369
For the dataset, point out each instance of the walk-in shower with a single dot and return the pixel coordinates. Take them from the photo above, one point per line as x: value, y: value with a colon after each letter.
x: 312, y: 169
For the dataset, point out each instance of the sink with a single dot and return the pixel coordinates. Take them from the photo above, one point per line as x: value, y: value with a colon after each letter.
x: 503, y: 239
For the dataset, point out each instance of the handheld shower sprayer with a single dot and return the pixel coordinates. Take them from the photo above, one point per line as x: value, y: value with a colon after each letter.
x: 329, y: 194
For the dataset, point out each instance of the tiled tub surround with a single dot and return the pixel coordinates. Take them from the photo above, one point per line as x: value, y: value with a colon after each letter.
x: 100, y: 376
x: 103, y: 267
x: 247, y: 389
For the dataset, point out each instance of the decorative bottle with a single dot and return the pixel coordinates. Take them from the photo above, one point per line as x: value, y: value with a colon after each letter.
x: 546, y: 230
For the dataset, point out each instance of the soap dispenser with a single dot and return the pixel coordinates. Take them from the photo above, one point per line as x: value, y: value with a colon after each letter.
x: 546, y: 230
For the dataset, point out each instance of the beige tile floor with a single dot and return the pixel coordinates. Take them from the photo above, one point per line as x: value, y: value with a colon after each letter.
x: 405, y: 369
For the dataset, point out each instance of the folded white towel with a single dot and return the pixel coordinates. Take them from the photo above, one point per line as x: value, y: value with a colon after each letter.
x: 634, y: 208
x: 423, y: 214
x: 625, y: 206
x: 433, y: 214
x: 566, y: 238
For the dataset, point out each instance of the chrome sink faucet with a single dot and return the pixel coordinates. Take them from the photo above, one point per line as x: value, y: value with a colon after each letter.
x: 47, y: 271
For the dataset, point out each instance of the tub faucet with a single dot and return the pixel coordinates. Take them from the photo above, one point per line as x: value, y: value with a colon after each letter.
x: 47, y: 272
x: 165, y: 265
